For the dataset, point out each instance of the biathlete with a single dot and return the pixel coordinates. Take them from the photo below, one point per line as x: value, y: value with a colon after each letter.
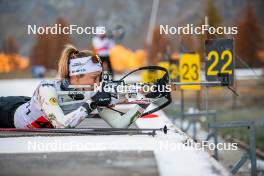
x: 46, y: 108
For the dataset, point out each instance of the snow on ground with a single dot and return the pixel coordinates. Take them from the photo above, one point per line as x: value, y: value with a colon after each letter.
x: 172, y: 155
x: 170, y: 162
x: 18, y: 87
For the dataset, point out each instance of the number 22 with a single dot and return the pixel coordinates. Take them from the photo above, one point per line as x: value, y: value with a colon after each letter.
x: 214, y: 54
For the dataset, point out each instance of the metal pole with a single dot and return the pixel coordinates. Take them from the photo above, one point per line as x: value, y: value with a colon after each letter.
x: 234, y: 106
x: 194, y: 120
x: 182, y: 108
x: 198, y: 100
x: 251, y: 154
x: 253, y: 149
x: 206, y: 105
x: 152, y: 22
x: 239, y: 164
x: 215, y: 137
x: 204, y: 83
x: 206, y: 21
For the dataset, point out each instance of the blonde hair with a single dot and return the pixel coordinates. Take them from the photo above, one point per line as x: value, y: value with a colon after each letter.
x: 70, y: 52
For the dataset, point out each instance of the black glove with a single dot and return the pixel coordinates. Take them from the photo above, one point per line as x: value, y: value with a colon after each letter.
x: 102, y: 98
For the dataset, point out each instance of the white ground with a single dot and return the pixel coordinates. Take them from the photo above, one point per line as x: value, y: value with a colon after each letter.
x: 173, y: 157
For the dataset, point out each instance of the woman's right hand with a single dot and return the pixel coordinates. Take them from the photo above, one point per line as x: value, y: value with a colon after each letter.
x: 102, y: 98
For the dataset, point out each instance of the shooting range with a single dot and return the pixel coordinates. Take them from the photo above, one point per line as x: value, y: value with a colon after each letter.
x: 143, y: 87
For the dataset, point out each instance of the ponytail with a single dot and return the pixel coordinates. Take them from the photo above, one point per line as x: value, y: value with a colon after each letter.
x: 66, y: 54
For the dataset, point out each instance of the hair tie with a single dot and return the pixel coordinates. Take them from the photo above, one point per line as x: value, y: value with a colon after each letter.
x: 76, y: 52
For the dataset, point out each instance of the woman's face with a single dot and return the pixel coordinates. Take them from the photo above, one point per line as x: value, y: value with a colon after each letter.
x: 86, y: 79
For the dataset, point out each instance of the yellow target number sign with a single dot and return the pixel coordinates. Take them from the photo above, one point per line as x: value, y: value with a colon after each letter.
x: 152, y: 76
x: 149, y: 76
x: 220, y: 59
x: 190, y: 71
x: 173, y: 69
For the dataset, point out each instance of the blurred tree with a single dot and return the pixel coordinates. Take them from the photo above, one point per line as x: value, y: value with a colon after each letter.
x: 249, y: 40
x: 60, y: 41
x: 10, y: 45
x: 159, y: 47
x: 189, y: 43
x: 48, y: 47
x: 214, y: 19
x: 10, y: 48
x: 39, y: 51
x: 12, y: 62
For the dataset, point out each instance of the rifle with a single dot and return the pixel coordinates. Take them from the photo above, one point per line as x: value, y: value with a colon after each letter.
x: 133, y: 93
